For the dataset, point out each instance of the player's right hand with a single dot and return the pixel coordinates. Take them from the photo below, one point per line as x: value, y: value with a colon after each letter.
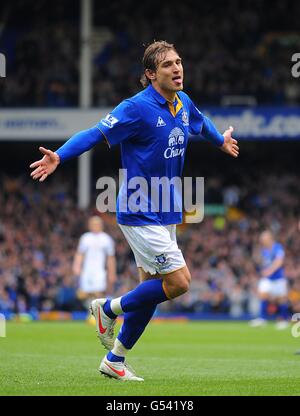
x: 230, y: 145
x: 45, y: 166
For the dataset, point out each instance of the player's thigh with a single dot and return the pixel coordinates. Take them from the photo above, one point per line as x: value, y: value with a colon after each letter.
x: 182, y: 273
x: 146, y: 275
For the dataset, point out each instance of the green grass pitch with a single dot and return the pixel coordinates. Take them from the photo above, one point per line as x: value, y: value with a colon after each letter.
x: 195, y: 358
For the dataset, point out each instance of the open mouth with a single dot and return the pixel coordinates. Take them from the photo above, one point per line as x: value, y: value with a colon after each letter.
x: 177, y: 79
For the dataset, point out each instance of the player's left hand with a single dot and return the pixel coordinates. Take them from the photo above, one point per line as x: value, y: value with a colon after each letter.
x: 230, y: 144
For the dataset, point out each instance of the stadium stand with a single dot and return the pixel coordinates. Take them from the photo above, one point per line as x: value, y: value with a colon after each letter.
x: 237, y: 58
x: 40, y: 226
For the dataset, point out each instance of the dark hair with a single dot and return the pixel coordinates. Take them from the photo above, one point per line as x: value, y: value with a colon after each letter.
x: 152, y: 56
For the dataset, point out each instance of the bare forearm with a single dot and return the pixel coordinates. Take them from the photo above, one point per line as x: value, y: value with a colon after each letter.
x: 77, y: 263
x: 111, y: 269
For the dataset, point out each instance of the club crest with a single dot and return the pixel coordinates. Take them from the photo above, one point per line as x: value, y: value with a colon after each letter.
x: 185, y: 118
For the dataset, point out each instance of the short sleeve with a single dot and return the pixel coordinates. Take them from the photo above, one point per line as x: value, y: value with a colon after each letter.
x: 195, y: 118
x: 121, y: 124
x: 110, y: 247
x: 279, y: 251
x: 82, y: 245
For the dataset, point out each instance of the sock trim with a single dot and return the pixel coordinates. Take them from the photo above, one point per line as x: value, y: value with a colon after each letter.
x: 114, y: 358
x: 107, y: 310
x: 119, y: 349
x: 115, y: 306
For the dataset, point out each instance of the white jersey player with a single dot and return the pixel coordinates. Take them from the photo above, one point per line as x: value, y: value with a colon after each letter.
x: 94, y: 261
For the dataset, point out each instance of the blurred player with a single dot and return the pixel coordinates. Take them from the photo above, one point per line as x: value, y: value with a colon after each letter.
x: 273, y: 284
x: 95, y: 263
x: 153, y: 128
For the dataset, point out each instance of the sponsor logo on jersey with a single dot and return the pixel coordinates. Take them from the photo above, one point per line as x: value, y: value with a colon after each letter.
x: 176, y: 137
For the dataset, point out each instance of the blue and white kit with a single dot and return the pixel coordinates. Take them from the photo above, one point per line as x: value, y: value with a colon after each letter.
x: 153, y: 134
x: 276, y: 283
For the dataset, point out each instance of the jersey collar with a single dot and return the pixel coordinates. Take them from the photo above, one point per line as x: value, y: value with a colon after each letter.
x: 156, y: 95
x: 162, y: 100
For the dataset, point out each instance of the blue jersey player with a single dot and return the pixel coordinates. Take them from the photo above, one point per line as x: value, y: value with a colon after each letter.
x: 272, y: 285
x: 152, y: 129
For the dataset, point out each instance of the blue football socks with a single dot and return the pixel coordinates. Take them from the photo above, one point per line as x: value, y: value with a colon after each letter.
x: 147, y: 293
x: 138, y: 307
x: 108, y: 311
x: 283, y: 311
x: 263, y: 309
x: 134, y: 325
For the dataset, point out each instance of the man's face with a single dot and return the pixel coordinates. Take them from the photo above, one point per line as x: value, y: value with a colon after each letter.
x: 169, y: 72
x: 95, y: 225
x: 266, y: 239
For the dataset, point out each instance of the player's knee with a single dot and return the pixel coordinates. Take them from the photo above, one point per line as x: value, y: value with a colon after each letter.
x: 264, y: 296
x: 188, y: 276
x: 185, y: 281
x: 179, y: 285
x: 183, y: 287
x: 175, y: 290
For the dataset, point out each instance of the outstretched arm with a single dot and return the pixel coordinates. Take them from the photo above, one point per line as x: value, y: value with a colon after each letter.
x: 75, y: 146
x: 227, y: 143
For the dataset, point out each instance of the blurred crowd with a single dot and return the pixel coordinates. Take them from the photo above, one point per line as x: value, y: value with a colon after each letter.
x: 40, y: 227
x: 229, y: 48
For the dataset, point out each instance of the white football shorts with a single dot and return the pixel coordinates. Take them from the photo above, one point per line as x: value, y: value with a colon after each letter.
x: 154, y: 247
x: 90, y: 282
x: 275, y: 288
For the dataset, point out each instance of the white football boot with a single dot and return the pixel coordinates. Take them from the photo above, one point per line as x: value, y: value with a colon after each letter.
x: 258, y: 322
x: 280, y: 325
x: 118, y: 370
x: 104, y: 324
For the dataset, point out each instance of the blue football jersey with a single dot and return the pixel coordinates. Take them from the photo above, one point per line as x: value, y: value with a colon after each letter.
x: 269, y: 255
x: 153, y: 134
